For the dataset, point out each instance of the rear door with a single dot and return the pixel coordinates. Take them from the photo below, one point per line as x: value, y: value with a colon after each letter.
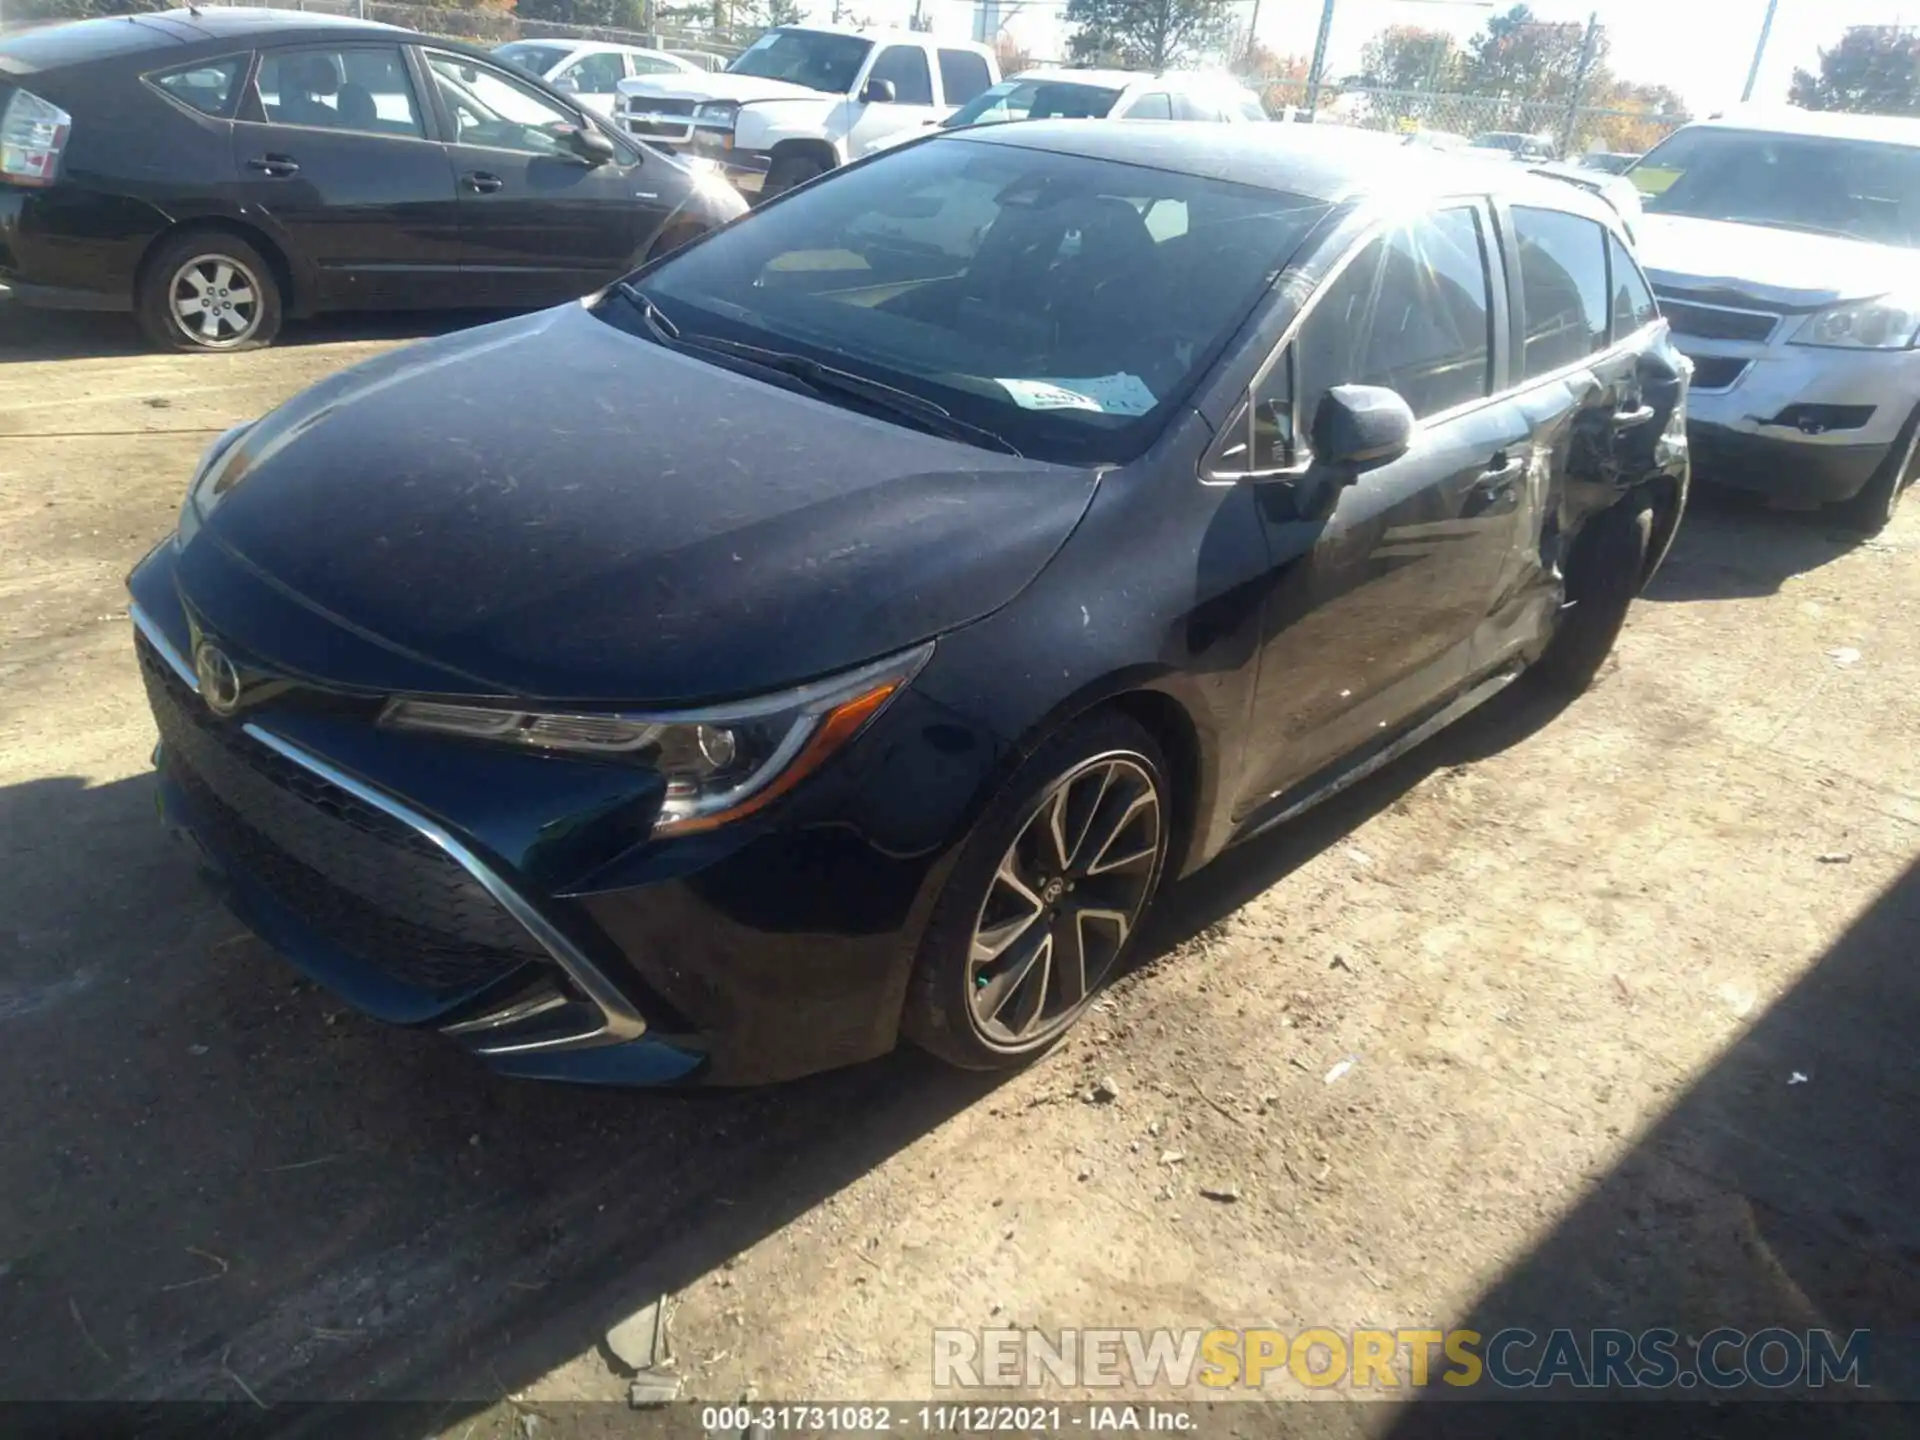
x: 1381, y: 581
x: 906, y: 68
x: 333, y: 149
x: 538, y: 224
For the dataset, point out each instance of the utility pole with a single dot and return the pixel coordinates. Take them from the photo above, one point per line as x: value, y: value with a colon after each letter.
x: 1587, y: 47
x: 1753, y: 71
x: 1319, y: 56
x: 1253, y: 30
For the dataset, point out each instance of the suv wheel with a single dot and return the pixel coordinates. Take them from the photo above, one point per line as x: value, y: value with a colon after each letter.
x: 1045, y: 899
x: 1603, y: 572
x: 789, y: 171
x: 1871, y: 511
x: 208, y: 291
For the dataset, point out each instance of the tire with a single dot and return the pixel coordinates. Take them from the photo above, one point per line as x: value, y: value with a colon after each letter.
x: 789, y: 171
x: 1872, y: 510
x: 187, y: 272
x: 1104, y: 780
x: 1603, y: 573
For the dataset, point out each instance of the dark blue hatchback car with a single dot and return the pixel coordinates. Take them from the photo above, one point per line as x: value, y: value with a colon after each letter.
x: 843, y: 627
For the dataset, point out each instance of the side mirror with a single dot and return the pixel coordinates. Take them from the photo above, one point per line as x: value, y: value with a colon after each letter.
x: 1360, y: 426
x: 878, y: 92
x: 590, y: 145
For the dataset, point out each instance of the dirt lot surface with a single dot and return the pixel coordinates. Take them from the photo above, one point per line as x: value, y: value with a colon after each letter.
x: 1604, y: 1017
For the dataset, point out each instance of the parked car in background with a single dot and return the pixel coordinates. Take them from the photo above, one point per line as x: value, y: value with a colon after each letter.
x: 216, y: 171
x: 590, y: 71
x: 1608, y: 161
x: 819, y: 638
x: 1785, y: 248
x: 1516, y: 145
x: 802, y: 100
x: 1057, y: 93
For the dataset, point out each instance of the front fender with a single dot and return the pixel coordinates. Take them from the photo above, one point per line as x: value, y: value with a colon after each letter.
x: 763, y: 124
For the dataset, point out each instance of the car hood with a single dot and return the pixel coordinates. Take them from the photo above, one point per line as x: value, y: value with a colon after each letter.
x: 553, y: 507
x: 720, y: 86
x: 1787, y: 268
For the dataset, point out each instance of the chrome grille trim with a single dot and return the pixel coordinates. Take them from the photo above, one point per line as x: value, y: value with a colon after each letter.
x: 163, y: 647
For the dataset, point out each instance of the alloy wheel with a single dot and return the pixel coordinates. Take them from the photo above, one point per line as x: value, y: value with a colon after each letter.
x: 216, y: 301
x: 1064, y: 899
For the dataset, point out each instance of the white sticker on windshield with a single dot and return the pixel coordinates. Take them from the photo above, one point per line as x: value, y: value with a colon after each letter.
x: 1103, y: 394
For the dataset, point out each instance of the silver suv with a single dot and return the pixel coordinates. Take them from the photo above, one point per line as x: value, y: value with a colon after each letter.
x: 1784, y: 247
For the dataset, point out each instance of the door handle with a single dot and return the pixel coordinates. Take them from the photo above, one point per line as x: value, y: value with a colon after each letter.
x: 482, y: 182
x: 1627, y: 419
x: 278, y: 167
x: 1498, y: 477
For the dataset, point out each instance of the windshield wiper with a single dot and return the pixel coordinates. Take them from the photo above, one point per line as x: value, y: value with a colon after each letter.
x: 889, y: 399
x: 663, y: 329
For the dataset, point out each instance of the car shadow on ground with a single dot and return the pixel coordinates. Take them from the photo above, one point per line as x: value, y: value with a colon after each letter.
x: 28, y: 335
x: 219, y: 1174
x: 1731, y: 547
x: 1777, y: 1191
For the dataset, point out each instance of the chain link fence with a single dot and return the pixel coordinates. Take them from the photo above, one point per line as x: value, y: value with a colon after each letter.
x: 1560, y: 129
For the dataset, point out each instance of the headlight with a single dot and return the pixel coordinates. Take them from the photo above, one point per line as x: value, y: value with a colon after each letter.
x: 1869, y: 325
x: 204, y: 492
x: 717, y: 112
x: 719, y: 764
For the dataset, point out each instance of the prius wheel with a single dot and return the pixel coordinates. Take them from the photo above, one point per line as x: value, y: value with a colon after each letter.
x: 1603, y: 571
x: 1044, y: 901
x: 209, y: 291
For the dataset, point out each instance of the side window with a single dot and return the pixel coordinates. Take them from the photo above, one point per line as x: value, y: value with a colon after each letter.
x: 1633, y: 304
x: 490, y: 108
x: 362, y: 88
x: 1150, y: 107
x: 1185, y: 107
x: 1412, y: 313
x: 652, y: 65
x: 906, y: 67
x: 1563, y: 287
x: 209, y: 88
x: 963, y: 75
x: 597, y: 74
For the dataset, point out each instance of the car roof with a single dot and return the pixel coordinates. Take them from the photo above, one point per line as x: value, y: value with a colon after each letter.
x: 880, y: 34
x: 76, y: 42
x: 1320, y: 162
x: 1787, y: 120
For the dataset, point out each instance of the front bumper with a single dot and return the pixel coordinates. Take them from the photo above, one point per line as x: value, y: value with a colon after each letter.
x: 390, y: 874
x: 1793, y: 421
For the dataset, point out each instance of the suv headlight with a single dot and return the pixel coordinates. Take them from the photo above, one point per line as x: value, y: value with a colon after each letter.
x: 1868, y: 325
x: 720, y: 763
x: 205, y: 489
x: 717, y: 112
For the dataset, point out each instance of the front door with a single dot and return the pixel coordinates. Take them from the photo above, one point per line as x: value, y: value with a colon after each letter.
x: 331, y: 147
x: 905, y: 68
x: 538, y: 224
x: 1381, y: 579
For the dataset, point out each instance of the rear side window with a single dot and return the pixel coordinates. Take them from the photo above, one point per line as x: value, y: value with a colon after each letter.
x: 906, y: 67
x: 1563, y: 287
x: 1150, y: 107
x: 1633, y: 304
x: 209, y: 87
x: 362, y: 88
x: 963, y: 75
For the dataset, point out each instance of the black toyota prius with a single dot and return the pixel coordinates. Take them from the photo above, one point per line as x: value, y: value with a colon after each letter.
x: 214, y: 171
x: 842, y: 628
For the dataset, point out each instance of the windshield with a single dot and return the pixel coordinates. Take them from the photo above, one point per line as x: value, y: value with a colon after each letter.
x: 1035, y: 100
x: 1855, y: 188
x: 1066, y: 304
x: 534, y: 59
x: 816, y: 59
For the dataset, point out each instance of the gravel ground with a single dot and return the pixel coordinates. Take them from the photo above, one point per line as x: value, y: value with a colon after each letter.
x: 1509, y: 1035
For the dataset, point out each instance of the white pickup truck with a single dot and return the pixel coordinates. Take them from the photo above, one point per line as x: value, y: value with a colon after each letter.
x: 803, y: 99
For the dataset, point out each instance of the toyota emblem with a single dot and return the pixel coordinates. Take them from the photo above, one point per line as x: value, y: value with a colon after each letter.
x: 219, y: 678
